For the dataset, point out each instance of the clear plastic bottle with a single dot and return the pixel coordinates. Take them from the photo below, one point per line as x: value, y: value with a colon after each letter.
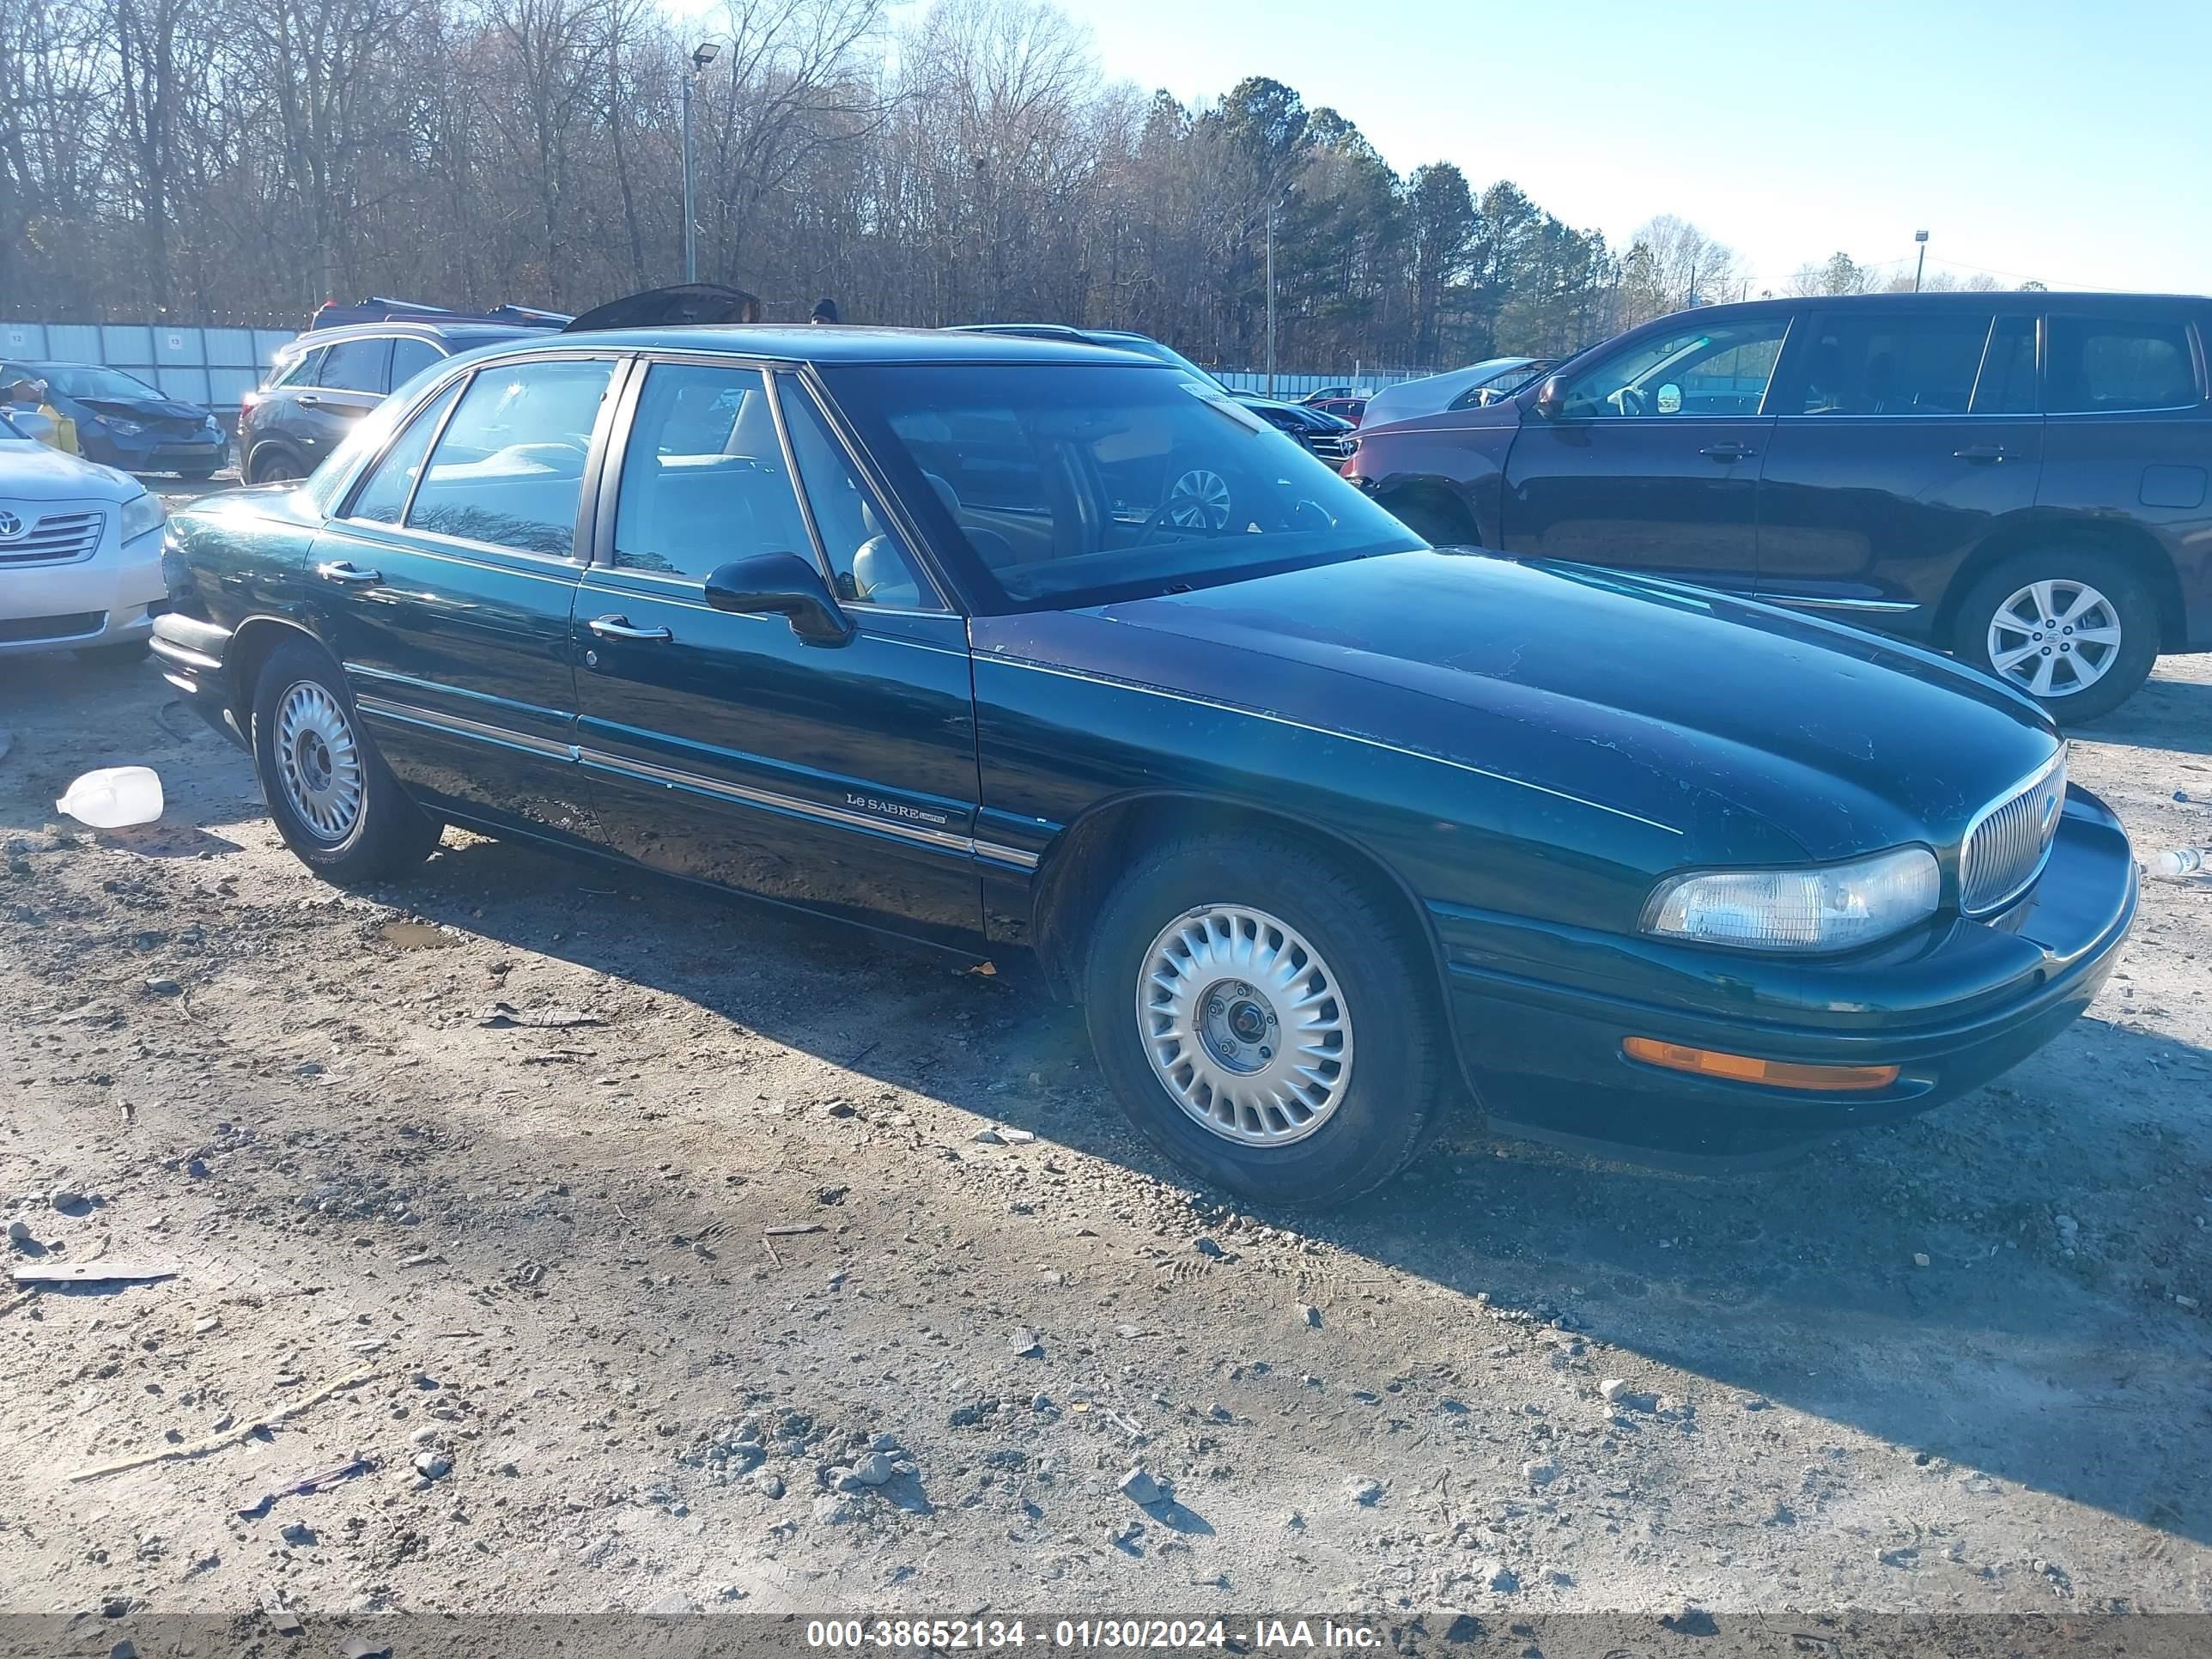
x: 2180, y: 861
x: 114, y: 797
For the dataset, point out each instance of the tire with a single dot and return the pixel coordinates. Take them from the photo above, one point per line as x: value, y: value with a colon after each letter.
x: 196, y: 474
x: 274, y: 466
x: 1375, y: 1104
x: 1433, y: 522
x: 369, y: 832
x: 2085, y: 590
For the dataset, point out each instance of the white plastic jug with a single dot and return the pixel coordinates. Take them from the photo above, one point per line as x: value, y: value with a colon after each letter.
x: 114, y: 797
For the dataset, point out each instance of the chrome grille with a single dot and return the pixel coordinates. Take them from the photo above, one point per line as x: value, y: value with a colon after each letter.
x: 2006, y: 846
x: 54, y: 539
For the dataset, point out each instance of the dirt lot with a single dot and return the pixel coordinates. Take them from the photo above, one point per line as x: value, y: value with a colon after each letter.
x: 1958, y: 1365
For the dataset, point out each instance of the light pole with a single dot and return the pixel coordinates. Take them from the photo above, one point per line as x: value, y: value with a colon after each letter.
x: 1273, y: 202
x: 701, y: 55
x: 1921, y: 265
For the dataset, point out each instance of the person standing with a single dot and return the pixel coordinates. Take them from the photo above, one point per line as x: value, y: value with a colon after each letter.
x: 825, y: 311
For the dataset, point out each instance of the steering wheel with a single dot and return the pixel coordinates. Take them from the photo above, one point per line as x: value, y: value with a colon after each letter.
x: 1629, y: 401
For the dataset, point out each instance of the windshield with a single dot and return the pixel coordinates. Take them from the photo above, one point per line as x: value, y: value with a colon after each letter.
x: 90, y: 380
x: 1051, y: 486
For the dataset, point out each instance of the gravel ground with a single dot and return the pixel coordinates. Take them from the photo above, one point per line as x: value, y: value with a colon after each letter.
x: 806, y: 1273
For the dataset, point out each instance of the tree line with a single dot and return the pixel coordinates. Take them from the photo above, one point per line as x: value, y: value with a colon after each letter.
x: 241, y: 161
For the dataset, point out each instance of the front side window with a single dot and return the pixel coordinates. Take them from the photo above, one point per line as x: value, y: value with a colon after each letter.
x: 383, y: 497
x: 508, y: 469
x: 1099, y: 482
x: 1885, y: 363
x: 1722, y: 369
x: 2100, y: 365
x: 868, y: 562
x: 703, y: 480
x: 356, y: 366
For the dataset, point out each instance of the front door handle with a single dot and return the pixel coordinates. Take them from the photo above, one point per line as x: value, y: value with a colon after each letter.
x: 1728, y: 454
x: 1980, y: 454
x: 309, y: 400
x: 346, y: 574
x: 619, y: 628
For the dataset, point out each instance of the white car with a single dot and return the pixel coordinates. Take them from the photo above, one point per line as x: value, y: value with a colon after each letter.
x: 80, y: 552
x: 1459, y: 388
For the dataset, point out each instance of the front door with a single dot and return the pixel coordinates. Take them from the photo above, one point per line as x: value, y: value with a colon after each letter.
x: 1652, y: 463
x: 1904, y: 433
x: 446, y: 592
x: 840, y: 778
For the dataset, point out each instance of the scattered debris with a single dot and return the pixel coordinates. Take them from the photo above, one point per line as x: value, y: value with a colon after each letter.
x: 229, y: 1436
x: 286, y: 1622
x: 1026, y: 1345
x: 1309, y: 1315
x: 501, y: 1015
x: 302, y: 1485
x: 115, y: 798
x: 108, y: 1270
x: 1367, y: 1493
x: 1140, y: 1489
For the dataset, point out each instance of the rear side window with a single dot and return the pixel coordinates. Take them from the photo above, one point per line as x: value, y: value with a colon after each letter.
x: 2100, y: 365
x: 509, y: 466
x: 383, y: 498
x: 300, y: 371
x: 356, y: 366
x: 1894, y: 363
x: 410, y: 357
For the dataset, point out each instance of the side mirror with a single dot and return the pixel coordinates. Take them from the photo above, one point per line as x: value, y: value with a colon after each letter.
x: 783, y: 584
x: 1551, y: 397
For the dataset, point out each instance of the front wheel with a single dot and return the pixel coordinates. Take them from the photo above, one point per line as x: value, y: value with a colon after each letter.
x: 335, y: 801
x: 1263, y: 1020
x: 2076, y: 630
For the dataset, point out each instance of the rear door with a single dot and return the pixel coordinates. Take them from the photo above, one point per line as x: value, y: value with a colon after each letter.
x: 1652, y: 463
x: 354, y: 376
x: 1905, y: 434
x: 841, y: 778
x: 446, y: 590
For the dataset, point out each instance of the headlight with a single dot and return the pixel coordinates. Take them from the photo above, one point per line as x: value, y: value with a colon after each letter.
x: 1828, y: 908
x: 122, y: 428
x: 141, y: 515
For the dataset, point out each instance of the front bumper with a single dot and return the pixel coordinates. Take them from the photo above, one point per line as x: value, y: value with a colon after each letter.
x: 109, y: 598
x: 149, y: 452
x: 1952, y: 1009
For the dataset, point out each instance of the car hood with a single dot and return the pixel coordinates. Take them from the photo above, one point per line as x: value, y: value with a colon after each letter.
x: 143, y: 408
x: 33, y: 472
x: 1756, y: 734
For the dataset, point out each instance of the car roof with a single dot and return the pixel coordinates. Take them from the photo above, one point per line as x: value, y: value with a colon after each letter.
x: 462, y: 334
x: 833, y: 342
x: 1987, y: 299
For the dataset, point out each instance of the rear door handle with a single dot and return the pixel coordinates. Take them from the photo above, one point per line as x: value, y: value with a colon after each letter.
x: 1981, y: 455
x: 619, y: 628
x: 347, y: 575
x: 1728, y: 454
x: 309, y: 400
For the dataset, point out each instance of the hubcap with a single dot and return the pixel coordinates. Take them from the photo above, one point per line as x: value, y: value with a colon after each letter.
x: 1198, y: 501
x: 318, y: 761
x: 1244, y: 1025
x: 2055, y: 638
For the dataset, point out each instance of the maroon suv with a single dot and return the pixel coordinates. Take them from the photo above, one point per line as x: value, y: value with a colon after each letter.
x: 2017, y: 478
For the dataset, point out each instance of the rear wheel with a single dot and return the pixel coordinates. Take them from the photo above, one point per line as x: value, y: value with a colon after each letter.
x: 1262, y: 1019
x: 334, y: 800
x: 2075, y: 628
x: 274, y: 466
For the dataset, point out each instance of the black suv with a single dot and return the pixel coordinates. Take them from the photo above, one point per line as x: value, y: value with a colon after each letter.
x: 329, y: 378
x: 2018, y: 478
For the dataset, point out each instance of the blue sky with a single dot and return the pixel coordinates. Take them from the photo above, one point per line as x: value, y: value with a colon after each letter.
x: 2066, y: 142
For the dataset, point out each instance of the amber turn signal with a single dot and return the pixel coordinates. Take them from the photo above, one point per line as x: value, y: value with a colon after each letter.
x: 1742, y: 1068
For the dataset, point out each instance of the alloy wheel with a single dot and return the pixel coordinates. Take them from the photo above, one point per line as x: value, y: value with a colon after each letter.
x: 1244, y: 1024
x: 2054, y: 638
x: 319, y: 761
